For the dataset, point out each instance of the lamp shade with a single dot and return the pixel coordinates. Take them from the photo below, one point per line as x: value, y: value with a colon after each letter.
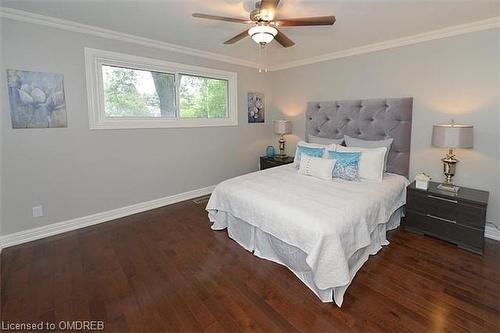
x: 453, y: 136
x: 282, y: 126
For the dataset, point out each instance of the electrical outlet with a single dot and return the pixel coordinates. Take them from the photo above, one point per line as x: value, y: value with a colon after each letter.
x: 37, y: 211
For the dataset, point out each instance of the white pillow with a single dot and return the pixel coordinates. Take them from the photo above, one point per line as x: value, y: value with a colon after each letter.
x: 318, y: 167
x: 296, y: 160
x: 371, y: 162
x: 355, y: 142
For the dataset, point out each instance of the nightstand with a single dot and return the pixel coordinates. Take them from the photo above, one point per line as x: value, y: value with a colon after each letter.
x: 457, y: 218
x: 271, y: 162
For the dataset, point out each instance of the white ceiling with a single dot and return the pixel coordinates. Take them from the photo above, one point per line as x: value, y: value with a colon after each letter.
x: 358, y: 22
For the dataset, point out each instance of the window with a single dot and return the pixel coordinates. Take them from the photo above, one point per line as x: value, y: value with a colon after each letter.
x: 132, y: 92
x: 202, y: 97
x: 135, y: 92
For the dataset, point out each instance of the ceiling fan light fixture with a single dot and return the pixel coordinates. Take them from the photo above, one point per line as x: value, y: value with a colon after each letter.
x: 265, y: 24
x: 262, y: 34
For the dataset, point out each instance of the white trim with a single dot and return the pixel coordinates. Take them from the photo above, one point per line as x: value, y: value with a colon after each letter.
x: 95, y: 59
x: 487, y: 24
x: 81, y: 222
x: 24, y: 16
x: 492, y: 232
x: 85, y: 221
x: 28, y: 17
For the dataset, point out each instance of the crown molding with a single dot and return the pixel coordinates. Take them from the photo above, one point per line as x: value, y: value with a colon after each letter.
x: 28, y: 17
x: 487, y: 24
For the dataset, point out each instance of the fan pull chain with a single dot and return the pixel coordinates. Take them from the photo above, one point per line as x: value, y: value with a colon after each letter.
x: 262, y: 59
x: 261, y: 51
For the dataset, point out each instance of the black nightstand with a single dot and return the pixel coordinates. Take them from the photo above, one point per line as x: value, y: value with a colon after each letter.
x: 459, y: 219
x: 271, y: 162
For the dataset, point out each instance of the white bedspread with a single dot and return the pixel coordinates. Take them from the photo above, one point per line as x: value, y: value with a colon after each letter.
x: 328, y: 220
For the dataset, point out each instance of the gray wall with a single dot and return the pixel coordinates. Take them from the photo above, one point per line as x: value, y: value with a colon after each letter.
x: 75, y: 172
x: 1, y: 145
x: 452, y: 78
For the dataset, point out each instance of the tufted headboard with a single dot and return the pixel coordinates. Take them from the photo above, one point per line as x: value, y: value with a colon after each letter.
x: 368, y: 119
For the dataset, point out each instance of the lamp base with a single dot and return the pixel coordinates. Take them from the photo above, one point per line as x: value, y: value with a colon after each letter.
x: 448, y: 187
x: 282, y: 146
x: 449, y: 165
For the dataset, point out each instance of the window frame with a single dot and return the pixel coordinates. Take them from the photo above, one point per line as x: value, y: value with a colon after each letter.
x: 95, y: 59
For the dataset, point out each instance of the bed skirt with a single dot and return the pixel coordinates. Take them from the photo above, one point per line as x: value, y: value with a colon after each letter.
x: 271, y: 248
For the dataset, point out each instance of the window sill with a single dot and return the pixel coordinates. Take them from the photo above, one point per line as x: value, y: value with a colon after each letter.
x: 160, y: 123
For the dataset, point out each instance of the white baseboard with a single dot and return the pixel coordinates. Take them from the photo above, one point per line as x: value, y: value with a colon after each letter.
x: 85, y: 221
x: 492, y: 233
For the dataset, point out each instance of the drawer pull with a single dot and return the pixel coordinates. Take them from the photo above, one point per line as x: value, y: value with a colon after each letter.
x: 441, y: 219
x: 439, y: 198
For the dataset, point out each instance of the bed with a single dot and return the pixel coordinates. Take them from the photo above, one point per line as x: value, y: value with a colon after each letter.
x: 323, y: 231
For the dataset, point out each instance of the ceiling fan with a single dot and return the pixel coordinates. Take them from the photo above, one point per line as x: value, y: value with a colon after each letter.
x: 265, y: 28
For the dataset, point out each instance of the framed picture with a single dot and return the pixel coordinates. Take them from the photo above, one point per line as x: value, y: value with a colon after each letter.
x: 36, y: 99
x: 256, y: 107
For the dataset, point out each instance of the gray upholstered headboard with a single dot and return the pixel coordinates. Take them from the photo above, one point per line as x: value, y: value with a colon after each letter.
x: 369, y: 119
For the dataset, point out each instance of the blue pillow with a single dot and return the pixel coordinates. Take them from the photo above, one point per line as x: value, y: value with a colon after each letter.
x: 347, y: 165
x: 310, y: 151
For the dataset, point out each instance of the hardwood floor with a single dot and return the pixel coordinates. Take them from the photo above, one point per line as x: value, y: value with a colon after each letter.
x: 165, y: 270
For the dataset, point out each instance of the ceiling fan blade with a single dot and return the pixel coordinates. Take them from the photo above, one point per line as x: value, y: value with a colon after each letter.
x: 269, y: 4
x: 268, y: 9
x: 237, y: 38
x: 283, y: 39
x: 221, y: 18
x: 306, y: 21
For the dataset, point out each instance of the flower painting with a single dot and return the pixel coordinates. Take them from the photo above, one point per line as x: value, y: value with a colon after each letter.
x: 36, y: 99
x: 256, y: 108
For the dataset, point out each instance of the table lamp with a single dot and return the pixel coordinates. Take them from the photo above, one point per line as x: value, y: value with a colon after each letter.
x: 451, y: 136
x: 282, y: 127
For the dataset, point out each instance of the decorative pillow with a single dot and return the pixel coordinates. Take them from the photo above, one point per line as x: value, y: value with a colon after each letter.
x: 324, y: 141
x: 355, y: 142
x: 371, y: 162
x: 311, y: 149
x: 318, y: 167
x: 346, y: 166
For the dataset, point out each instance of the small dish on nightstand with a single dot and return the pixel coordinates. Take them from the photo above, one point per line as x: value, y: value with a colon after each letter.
x: 422, y: 181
